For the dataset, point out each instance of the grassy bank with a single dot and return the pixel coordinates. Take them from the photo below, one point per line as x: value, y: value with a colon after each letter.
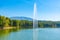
x: 4, y: 28
x: 9, y: 28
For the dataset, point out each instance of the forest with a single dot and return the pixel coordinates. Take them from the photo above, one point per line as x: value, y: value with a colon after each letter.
x: 7, y: 22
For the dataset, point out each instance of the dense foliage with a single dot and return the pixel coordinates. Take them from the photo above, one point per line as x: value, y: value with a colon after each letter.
x: 7, y: 22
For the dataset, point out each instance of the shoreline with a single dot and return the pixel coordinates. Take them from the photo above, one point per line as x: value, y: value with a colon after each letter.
x: 5, y: 28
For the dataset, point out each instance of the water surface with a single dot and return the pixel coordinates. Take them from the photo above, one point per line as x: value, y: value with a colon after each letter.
x: 27, y: 34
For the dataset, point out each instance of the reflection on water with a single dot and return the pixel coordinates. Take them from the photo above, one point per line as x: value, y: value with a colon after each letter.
x: 5, y: 33
x: 27, y: 34
x: 49, y: 34
x: 16, y: 34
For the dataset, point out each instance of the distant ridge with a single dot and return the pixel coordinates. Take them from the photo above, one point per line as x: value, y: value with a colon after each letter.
x: 21, y: 18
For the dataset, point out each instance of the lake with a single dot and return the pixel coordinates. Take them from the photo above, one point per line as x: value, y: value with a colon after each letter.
x: 27, y: 34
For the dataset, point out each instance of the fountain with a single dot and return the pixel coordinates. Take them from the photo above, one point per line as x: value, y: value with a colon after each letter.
x: 35, y: 23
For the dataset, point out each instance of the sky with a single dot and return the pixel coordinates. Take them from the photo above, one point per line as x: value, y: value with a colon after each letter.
x: 46, y: 9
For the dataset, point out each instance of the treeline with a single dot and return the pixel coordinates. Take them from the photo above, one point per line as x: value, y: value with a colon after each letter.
x: 7, y: 22
x: 49, y: 24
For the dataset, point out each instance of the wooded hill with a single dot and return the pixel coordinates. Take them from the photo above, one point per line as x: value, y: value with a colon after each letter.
x: 7, y: 22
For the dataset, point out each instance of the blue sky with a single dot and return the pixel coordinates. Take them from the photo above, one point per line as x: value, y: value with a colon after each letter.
x: 46, y: 9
